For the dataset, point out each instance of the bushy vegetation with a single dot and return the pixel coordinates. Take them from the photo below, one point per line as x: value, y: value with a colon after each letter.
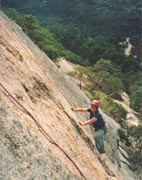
x: 70, y: 40
x: 105, y: 75
x: 133, y: 84
x: 42, y: 37
x: 92, y: 29
x: 81, y: 74
x: 132, y: 137
x: 107, y: 78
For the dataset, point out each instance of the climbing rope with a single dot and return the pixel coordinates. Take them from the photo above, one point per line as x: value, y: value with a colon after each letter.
x: 41, y: 129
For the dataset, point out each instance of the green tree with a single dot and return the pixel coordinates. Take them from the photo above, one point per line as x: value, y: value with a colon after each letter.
x: 106, y: 78
x: 80, y: 73
x: 43, y: 37
x: 136, y: 101
x: 91, y: 29
x: 133, y: 84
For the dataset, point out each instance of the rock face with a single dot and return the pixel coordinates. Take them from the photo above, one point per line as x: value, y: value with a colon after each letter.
x: 40, y: 138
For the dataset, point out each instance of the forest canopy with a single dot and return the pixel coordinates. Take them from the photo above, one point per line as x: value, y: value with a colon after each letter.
x: 87, y: 32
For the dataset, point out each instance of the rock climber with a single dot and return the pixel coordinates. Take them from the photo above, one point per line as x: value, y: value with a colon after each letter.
x: 98, y: 123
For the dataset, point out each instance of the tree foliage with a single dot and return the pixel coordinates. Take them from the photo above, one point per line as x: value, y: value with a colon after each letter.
x: 43, y: 37
x: 80, y: 73
x: 133, y: 84
x: 91, y: 29
x: 85, y: 32
x: 107, y: 78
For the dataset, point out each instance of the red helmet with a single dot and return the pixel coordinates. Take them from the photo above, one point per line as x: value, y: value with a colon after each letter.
x: 96, y: 103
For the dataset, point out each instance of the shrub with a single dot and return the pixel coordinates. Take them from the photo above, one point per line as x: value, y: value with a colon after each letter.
x: 136, y: 101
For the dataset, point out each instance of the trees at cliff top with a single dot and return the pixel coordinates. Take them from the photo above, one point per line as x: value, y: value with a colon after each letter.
x: 80, y: 73
x: 107, y: 23
x: 103, y: 76
x: 43, y: 38
x: 106, y: 73
x: 93, y: 49
x: 107, y: 78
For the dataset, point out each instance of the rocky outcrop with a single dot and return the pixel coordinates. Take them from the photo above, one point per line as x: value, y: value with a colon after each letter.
x: 40, y: 137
